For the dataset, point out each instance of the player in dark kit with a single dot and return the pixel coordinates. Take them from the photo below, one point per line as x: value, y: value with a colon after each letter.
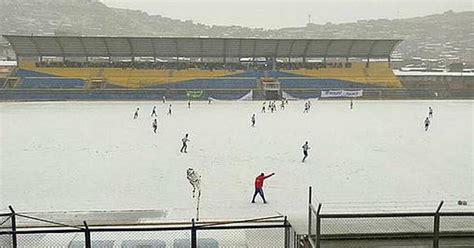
x: 352, y: 104
x: 155, y: 125
x: 169, y: 110
x: 259, y: 186
x: 185, y: 141
x: 427, y: 123
x: 430, y: 112
x: 305, y: 150
x: 135, y: 116
x: 153, y: 112
x: 189, y: 104
x: 253, y: 120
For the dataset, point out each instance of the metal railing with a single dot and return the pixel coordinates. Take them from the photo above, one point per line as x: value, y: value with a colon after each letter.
x: 387, y: 225
x: 269, y: 232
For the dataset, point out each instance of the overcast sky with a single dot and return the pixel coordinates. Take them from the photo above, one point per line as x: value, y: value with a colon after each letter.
x: 287, y: 13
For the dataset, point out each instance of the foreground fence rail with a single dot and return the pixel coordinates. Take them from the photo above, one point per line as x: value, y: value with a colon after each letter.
x: 263, y: 232
x: 433, y: 225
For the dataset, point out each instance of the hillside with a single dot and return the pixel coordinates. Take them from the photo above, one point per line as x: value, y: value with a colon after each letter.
x: 448, y: 36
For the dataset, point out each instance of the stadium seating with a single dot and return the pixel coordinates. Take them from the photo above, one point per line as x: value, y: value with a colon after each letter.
x: 310, y: 83
x: 212, y: 83
x: 51, y: 83
x: 30, y: 73
x: 378, y: 74
x: 356, y: 76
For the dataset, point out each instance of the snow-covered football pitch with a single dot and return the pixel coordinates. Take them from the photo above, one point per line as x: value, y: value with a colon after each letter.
x: 64, y: 156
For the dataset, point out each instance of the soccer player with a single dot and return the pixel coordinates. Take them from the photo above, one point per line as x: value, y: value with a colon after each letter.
x: 185, y: 141
x: 306, y: 108
x: 253, y: 120
x: 263, y: 107
x: 164, y: 99
x: 135, y: 116
x: 352, y: 104
x: 305, y: 150
x: 430, y: 112
x: 189, y: 104
x: 155, y: 125
x: 427, y: 123
x: 169, y: 109
x: 259, y: 186
x: 153, y: 112
x: 195, y: 180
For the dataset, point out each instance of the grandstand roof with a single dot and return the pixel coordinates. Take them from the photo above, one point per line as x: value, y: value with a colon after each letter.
x: 82, y: 46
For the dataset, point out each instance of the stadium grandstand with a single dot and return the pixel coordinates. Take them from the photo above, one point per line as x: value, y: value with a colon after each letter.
x: 223, y: 68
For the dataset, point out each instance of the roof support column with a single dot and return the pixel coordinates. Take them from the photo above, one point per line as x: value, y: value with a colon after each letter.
x: 107, y: 48
x: 291, y: 50
x: 254, y: 49
x: 306, y: 50
x: 224, y: 52
x: 370, y: 53
x: 177, y: 53
x: 84, y: 49
x: 201, y: 51
x: 389, y: 53
x: 326, y: 52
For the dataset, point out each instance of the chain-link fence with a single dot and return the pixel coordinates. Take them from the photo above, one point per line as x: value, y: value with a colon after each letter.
x: 264, y: 232
x: 5, y: 225
x: 362, y: 224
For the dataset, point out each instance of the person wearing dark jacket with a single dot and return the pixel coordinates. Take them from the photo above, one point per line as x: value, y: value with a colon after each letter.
x: 259, y: 186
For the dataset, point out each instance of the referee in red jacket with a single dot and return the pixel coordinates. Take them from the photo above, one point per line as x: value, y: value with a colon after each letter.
x: 259, y: 186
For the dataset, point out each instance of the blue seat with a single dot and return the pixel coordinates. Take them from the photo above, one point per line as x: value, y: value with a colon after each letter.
x: 258, y: 74
x: 28, y: 73
x: 51, y: 83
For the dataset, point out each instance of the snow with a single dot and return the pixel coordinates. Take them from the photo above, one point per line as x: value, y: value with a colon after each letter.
x: 64, y: 156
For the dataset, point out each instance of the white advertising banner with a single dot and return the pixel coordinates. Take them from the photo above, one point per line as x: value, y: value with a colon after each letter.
x: 342, y: 93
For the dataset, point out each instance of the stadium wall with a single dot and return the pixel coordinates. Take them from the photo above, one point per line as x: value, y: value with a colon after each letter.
x: 218, y: 94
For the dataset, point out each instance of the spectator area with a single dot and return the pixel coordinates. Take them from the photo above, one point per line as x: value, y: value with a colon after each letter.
x: 356, y: 76
x: 51, y: 83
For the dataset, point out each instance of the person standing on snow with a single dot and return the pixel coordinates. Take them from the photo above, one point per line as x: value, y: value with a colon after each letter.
x: 135, y: 116
x: 259, y: 186
x: 185, y: 141
x: 427, y: 123
x: 153, y: 112
x: 155, y: 125
x: 305, y: 150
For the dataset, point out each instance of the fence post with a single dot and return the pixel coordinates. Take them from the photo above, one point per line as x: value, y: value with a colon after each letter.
x: 13, y: 217
x: 287, y: 233
x: 193, y: 235
x: 309, y: 210
x: 88, y: 236
x: 318, y: 227
x: 436, y: 226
